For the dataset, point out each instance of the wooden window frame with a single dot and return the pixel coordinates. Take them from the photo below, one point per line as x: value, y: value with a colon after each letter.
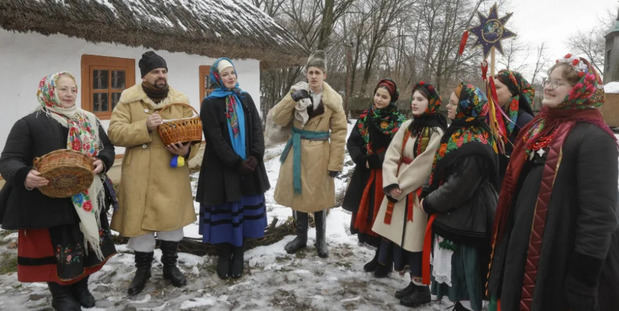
x: 96, y: 62
x: 204, y: 71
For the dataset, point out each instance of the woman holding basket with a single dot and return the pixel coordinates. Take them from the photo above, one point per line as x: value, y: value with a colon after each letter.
x: 61, y: 240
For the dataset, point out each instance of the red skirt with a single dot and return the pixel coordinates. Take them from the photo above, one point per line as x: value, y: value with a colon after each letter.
x: 370, y: 203
x: 37, y: 261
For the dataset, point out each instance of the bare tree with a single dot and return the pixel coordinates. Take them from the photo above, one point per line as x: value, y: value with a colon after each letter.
x: 540, y: 61
x: 591, y: 43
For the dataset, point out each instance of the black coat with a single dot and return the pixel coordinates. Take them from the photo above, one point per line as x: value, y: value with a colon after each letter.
x: 32, y: 136
x: 358, y: 153
x: 577, y: 234
x: 220, y: 180
x: 465, y: 201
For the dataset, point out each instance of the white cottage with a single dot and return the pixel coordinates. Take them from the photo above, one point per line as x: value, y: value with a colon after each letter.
x: 101, y: 41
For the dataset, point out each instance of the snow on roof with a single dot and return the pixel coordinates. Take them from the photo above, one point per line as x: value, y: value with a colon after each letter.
x: 214, y: 28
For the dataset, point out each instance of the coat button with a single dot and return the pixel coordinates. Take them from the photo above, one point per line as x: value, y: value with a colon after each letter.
x: 144, y: 146
x: 146, y: 110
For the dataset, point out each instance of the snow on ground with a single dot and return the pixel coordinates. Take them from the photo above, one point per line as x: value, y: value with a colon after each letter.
x: 273, y: 280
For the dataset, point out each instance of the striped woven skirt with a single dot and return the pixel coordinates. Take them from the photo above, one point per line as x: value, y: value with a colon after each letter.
x: 234, y: 221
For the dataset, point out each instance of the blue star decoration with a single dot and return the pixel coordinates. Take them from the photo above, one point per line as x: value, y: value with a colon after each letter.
x: 491, y: 31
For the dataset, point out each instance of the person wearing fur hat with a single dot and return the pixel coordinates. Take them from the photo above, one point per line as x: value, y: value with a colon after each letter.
x: 61, y: 241
x: 515, y: 96
x: 155, y: 195
x: 556, y: 212
x: 315, y: 153
x: 366, y: 145
x: 460, y: 201
x: 233, y: 178
x: 400, y: 220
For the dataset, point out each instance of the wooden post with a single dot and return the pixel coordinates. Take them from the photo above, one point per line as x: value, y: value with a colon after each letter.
x: 492, y: 61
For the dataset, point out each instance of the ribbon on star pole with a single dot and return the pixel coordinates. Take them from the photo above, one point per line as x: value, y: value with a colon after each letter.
x: 490, y: 31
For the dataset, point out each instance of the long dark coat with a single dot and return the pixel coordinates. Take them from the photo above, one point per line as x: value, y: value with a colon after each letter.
x: 361, y: 174
x: 32, y: 136
x: 577, y: 234
x: 465, y: 202
x: 220, y: 181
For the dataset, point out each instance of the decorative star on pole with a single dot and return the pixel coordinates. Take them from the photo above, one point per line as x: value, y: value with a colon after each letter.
x: 491, y: 31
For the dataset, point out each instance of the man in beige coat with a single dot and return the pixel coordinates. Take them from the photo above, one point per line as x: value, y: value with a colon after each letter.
x: 154, y: 197
x: 315, y: 153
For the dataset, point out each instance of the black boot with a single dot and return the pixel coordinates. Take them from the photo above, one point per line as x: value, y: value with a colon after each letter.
x: 321, y: 227
x: 224, y: 251
x: 301, y: 240
x: 169, y: 254
x: 459, y: 307
x: 408, y: 290
x: 82, y: 294
x: 382, y: 271
x: 372, y: 264
x: 62, y: 297
x: 236, y: 270
x: 419, y: 296
x: 143, y: 262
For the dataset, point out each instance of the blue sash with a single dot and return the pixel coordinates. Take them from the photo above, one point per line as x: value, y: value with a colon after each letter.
x: 295, y: 143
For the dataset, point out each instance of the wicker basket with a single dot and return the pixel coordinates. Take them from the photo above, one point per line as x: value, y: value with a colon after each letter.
x: 68, y: 171
x: 181, y: 130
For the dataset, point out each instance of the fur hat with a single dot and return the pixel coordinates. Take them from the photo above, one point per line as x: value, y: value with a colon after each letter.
x: 149, y: 61
x: 317, y: 59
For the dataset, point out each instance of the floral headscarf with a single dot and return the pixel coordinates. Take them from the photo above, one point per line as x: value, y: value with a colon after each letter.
x: 235, y: 115
x: 83, y: 136
x: 387, y: 120
x: 82, y: 125
x: 469, y: 124
x: 522, y: 98
x: 434, y: 99
x: 585, y: 94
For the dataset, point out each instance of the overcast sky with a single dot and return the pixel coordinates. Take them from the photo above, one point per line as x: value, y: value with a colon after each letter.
x: 553, y: 21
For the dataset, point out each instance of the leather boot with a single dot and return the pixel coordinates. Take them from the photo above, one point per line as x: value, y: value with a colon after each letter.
x: 408, y: 290
x: 169, y: 254
x: 301, y: 240
x: 321, y: 227
x: 236, y: 269
x: 372, y: 264
x: 419, y: 296
x: 223, y: 261
x: 82, y: 294
x: 143, y: 263
x: 62, y: 297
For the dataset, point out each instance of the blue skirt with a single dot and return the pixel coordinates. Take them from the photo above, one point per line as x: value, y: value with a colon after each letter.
x: 232, y: 222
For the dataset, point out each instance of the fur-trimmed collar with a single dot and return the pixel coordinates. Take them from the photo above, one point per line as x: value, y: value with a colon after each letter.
x: 331, y: 98
x: 136, y: 93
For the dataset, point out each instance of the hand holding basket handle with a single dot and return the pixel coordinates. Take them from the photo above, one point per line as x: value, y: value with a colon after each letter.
x: 153, y: 121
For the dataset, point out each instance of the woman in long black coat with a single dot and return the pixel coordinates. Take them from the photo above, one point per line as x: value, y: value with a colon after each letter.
x: 61, y: 240
x: 556, y: 211
x: 461, y: 200
x: 232, y: 177
x: 367, y: 144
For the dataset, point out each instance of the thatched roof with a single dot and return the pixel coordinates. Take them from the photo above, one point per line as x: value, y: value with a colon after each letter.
x: 214, y: 28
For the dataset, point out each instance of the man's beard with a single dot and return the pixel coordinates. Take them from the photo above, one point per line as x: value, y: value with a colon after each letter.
x: 161, y: 83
